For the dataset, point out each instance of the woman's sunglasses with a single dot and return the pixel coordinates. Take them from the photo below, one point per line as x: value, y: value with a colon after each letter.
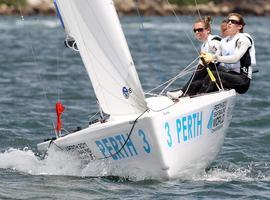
x: 198, y: 30
x: 233, y: 21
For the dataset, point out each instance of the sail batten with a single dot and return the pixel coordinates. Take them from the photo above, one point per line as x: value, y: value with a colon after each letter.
x: 95, y: 26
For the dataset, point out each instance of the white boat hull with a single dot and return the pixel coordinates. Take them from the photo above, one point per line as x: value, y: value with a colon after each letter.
x: 169, y: 141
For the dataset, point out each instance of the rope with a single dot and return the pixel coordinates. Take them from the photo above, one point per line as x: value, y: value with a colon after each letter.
x: 36, y: 64
x: 212, y: 77
x: 111, y: 155
x: 179, y: 21
x: 219, y: 79
x: 182, y: 73
x: 52, y: 142
x: 93, y: 53
x: 149, y: 48
x: 196, y: 4
x: 58, y: 78
x: 193, y: 75
x: 93, y: 116
x: 128, y: 136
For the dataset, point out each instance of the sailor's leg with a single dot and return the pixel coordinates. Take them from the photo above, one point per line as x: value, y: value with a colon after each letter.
x: 199, y: 74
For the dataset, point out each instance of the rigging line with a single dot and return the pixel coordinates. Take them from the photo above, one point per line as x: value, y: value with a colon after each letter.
x: 175, y: 78
x: 93, y: 116
x: 152, y: 94
x: 221, y: 84
x: 193, y: 75
x: 191, y: 71
x: 108, y: 91
x: 140, y: 103
x: 134, y: 92
x: 72, y: 7
x: 187, y: 35
x: 198, y: 10
x: 111, y: 154
x: 219, y: 79
x: 180, y: 73
x: 94, y: 71
x: 179, y: 21
x: 58, y: 78
x: 170, y: 81
x: 52, y: 142
x: 196, y: 4
x: 166, y: 107
x: 145, y: 35
x: 59, y: 57
x: 36, y: 64
x: 128, y: 136
x: 110, y: 41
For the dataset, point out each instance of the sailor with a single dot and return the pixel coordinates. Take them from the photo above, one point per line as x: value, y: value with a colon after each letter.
x: 223, y: 28
x: 237, y: 53
x: 210, y: 43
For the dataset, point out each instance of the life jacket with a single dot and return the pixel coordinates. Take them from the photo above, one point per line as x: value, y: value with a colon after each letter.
x: 252, y: 50
x: 248, y: 60
x: 211, y: 45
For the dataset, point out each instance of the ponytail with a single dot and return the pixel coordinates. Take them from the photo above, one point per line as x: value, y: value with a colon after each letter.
x: 206, y: 21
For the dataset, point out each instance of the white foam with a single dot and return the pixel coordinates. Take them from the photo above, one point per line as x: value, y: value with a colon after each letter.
x: 47, y: 23
x: 60, y: 163
x: 242, y: 174
x: 26, y: 161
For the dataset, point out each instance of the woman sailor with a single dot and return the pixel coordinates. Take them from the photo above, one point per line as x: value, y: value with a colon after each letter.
x: 237, y: 53
x: 211, y: 43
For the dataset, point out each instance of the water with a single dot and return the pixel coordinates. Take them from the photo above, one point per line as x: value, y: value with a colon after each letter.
x: 36, y: 71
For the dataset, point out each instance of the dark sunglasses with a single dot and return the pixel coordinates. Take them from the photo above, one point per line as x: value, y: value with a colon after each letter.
x: 233, y: 21
x: 198, y: 30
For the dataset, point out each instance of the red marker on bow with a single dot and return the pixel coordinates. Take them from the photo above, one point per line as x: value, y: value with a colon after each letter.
x: 59, y: 108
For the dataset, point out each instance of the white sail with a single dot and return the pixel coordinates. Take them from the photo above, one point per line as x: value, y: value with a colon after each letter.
x: 95, y: 26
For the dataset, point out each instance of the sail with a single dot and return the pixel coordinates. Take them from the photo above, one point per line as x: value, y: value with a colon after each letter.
x: 95, y: 26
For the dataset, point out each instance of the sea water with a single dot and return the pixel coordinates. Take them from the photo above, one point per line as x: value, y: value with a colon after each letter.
x: 37, y: 71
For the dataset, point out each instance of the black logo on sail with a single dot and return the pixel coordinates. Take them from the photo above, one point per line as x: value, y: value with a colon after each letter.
x: 126, y: 92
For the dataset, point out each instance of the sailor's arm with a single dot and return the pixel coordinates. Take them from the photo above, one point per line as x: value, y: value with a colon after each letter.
x: 214, y: 47
x: 242, y: 46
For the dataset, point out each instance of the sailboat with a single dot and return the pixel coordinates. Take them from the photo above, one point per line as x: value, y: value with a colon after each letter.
x: 156, y: 135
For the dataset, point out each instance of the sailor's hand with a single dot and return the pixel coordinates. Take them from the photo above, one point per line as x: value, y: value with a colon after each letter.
x: 208, y: 57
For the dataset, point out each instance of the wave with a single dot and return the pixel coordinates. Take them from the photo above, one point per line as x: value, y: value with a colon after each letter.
x: 27, y: 162
x: 229, y: 173
x: 47, y: 23
x: 18, y: 23
x: 63, y: 164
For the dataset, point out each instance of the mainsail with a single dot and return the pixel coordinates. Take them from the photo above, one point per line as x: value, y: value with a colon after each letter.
x: 95, y: 26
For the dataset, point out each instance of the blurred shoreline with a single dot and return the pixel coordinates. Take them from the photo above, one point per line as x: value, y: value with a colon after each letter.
x: 151, y: 7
